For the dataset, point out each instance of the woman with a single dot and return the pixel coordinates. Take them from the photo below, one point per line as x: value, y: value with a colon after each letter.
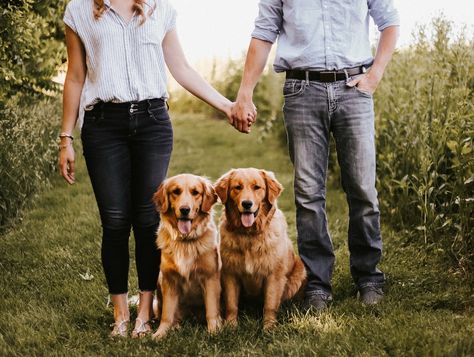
x: 117, y: 50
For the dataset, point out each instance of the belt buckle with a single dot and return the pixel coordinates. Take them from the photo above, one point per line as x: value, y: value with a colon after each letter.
x: 328, y: 76
x: 133, y: 108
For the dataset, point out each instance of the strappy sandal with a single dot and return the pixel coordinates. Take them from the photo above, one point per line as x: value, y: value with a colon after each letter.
x: 120, y: 328
x: 143, y: 329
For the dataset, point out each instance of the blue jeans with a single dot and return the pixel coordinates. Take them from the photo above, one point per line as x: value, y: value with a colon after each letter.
x: 313, y: 110
x: 127, y: 152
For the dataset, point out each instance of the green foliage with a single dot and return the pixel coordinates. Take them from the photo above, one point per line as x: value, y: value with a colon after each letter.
x: 425, y: 132
x: 31, y: 51
x: 31, y: 46
x: 28, y: 152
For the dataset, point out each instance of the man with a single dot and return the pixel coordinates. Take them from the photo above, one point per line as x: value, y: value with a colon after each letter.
x: 323, y: 46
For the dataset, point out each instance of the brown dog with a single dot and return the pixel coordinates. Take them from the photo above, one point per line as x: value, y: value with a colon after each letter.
x: 190, y: 259
x: 257, y: 255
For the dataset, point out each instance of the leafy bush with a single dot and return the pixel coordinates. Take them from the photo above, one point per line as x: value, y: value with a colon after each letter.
x: 28, y: 152
x: 31, y: 46
x: 31, y: 51
x: 425, y: 126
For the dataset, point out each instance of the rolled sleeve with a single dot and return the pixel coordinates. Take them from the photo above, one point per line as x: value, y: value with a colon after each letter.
x: 384, y: 13
x: 68, y: 18
x: 269, y: 20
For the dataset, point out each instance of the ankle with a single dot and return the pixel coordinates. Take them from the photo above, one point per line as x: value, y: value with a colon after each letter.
x: 120, y: 303
x: 145, y: 306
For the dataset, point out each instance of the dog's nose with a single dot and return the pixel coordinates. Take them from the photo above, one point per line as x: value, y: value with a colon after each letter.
x: 247, y: 204
x: 185, y: 210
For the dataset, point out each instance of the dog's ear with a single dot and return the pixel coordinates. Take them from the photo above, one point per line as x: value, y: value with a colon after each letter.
x: 209, y: 196
x: 274, y: 188
x: 160, y: 198
x: 222, y: 186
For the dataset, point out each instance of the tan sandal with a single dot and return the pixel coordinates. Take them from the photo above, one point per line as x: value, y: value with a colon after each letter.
x: 120, y: 328
x: 143, y: 329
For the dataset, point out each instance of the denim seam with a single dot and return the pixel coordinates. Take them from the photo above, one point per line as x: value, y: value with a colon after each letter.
x: 371, y: 284
x: 323, y: 293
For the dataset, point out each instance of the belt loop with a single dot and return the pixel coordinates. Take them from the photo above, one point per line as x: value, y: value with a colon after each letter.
x: 148, y: 109
x: 347, y: 74
x: 307, y: 77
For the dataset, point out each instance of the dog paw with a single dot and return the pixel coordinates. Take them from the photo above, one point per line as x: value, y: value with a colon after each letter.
x: 214, y: 325
x: 231, y: 322
x: 269, y: 324
x: 161, y: 332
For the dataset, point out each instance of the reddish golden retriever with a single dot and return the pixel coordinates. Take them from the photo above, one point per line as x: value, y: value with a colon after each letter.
x: 190, y: 259
x: 257, y: 256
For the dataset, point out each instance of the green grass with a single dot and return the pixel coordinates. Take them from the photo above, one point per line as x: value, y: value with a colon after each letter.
x: 48, y: 309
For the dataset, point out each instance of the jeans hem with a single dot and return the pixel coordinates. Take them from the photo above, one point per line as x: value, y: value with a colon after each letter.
x: 371, y: 284
x: 118, y: 292
x: 327, y: 295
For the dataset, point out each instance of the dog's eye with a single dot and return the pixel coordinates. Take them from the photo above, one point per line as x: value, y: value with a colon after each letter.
x: 238, y: 187
x: 194, y: 192
x: 256, y: 187
x: 176, y: 191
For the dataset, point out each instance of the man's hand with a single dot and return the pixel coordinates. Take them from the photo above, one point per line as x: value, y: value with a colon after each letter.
x: 367, y: 82
x: 244, y: 114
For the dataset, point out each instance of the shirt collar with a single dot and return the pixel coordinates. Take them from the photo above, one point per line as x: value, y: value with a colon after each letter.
x: 148, y: 2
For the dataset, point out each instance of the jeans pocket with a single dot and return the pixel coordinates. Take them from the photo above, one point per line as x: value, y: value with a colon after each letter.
x: 90, y: 118
x: 293, y: 88
x: 159, y: 114
x: 363, y: 92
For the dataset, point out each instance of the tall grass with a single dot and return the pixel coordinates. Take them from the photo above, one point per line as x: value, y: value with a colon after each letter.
x: 425, y: 126
x: 28, y: 152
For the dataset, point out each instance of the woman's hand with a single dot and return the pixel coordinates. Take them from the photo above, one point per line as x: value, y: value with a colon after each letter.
x: 67, y: 161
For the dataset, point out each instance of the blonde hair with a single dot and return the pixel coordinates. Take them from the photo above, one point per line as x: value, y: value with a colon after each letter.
x: 138, y: 6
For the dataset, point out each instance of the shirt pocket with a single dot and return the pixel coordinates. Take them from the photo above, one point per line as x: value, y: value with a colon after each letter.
x: 151, y: 33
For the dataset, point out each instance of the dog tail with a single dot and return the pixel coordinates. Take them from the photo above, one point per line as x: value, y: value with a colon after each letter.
x: 296, y: 279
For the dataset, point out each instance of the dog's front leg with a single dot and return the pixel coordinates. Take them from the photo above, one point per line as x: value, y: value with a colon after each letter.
x: 212, y: 294
x: 170, y: 305
x: 273, y: 290
x: 231, y: 296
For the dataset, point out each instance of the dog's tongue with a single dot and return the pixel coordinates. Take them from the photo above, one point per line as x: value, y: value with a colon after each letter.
x: 184, y: 226
x: 247, y: 219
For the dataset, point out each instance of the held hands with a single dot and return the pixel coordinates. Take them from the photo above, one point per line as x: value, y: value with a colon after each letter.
x: 367, y: 82
x: 243, y: 115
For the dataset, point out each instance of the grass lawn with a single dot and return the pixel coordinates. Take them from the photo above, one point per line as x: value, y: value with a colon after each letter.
x: 47, y: 308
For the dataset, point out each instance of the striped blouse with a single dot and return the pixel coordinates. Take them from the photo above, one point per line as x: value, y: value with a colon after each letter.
x: 124, y: 61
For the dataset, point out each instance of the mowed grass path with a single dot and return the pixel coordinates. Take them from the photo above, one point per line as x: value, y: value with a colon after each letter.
x: 47, y: 308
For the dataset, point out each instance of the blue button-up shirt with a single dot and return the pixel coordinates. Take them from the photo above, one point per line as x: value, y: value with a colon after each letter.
x: 322, y: 34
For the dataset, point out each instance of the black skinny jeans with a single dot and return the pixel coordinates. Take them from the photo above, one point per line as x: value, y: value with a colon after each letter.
x: 127, y: 148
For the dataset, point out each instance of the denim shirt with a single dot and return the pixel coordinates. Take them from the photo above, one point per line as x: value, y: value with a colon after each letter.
x: 322, y: 34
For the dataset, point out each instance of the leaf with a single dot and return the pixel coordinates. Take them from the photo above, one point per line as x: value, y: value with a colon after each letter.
x: 87, y: 276
x: 452, y: 145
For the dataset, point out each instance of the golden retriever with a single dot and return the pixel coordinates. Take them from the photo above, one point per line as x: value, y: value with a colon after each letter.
x: 257, y: 255
x: 190, y: 259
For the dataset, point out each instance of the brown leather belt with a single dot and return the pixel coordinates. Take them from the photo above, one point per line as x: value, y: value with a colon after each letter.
x: 326, y: 76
